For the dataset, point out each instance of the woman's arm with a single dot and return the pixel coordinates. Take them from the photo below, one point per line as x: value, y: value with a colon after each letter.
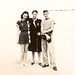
x: 18, y: 32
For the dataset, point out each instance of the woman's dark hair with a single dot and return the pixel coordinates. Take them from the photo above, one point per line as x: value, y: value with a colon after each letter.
x: 34, y: 11
x: 45, y: 11
x: 25, y: 12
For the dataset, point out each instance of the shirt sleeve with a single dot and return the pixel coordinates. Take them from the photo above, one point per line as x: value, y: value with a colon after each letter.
x: 53, y: 21
x: 18, y: 23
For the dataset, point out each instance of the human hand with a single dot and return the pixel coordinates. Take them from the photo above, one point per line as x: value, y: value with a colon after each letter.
x: 38, y: 33
x: 43, y: 32
x: 47, y: 36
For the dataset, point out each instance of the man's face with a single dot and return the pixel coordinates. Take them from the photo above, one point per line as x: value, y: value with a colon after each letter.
x: 34, y: 15
x: 46, y: 14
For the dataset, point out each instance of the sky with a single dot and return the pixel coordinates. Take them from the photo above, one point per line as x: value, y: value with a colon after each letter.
x: 10, y: 10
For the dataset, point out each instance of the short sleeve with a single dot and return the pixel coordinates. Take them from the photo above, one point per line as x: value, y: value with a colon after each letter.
x: 18, y: 23
x: 53, y: 21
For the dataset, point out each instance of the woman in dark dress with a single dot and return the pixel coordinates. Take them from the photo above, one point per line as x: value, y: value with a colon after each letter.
x: 35, y: 45
x: 23, y: 36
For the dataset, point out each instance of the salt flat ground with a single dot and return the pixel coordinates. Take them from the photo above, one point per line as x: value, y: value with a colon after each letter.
x: 64, y: 41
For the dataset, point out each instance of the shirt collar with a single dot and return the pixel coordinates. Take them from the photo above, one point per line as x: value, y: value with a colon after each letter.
x: 47, y: 18
x: 34, y: 19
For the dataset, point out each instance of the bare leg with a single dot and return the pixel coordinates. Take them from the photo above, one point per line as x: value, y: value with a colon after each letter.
x: 33, y: 55
x: 25, y: 52
x: 39, y: 57
x: 22, y: 53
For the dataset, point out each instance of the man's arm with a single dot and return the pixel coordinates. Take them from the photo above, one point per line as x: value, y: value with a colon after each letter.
x: 49, y: 30
x: 42, y: 31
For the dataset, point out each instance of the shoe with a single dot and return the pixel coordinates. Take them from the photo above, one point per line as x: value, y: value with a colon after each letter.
x: 32, y: 63
x: 46, y: 65
x: 55, y: 68
x: 40, y: 64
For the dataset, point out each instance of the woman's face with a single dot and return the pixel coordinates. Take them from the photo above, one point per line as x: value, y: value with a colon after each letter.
x: 25, y: 16
x: 34, y: 15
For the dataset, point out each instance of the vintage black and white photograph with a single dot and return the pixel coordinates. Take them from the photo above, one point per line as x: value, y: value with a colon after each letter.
x: 37, y: 37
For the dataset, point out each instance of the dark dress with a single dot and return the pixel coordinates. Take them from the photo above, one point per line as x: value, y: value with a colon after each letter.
x: 35, y: 45
x: 24, y: 36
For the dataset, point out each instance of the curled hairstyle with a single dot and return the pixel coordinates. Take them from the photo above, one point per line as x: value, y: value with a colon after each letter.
x: 25, y: 12
x: 34, y: 11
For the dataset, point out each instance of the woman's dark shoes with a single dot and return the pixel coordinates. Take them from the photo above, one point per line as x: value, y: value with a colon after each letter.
x: 40, y: 64
x: 55, y: 68
x: 46, y: 65
x: 32, y: 63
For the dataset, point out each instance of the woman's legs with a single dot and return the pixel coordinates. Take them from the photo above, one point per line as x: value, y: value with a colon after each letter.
x: 25, y: 52
x: 33, y: 56
x: 24, y: 49
x: 22, y: 53
x: 39, y: 57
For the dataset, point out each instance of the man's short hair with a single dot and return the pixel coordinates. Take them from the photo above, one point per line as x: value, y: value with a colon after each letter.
x: 45, y: 11
x: 34, y: 11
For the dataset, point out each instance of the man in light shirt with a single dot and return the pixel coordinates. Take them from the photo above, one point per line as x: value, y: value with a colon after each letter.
x: 47, y: 27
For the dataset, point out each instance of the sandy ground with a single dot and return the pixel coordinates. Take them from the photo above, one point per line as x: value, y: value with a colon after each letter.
x: 10, y: 53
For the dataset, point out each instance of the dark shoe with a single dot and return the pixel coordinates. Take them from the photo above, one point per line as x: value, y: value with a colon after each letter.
x: 40, y: 64
x: 32, y: 63
x: 55, y: 68
x: 46, y: 65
